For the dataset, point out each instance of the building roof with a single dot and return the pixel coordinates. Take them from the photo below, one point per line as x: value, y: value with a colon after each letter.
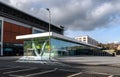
x: 18, y: 15
x: 52, y: 34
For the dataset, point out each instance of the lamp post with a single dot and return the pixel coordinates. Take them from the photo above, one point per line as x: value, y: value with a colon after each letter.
x: 49, y: 32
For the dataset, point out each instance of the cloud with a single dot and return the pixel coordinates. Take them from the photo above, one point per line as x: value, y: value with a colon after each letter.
x: 5, y: 1
x: 78, y: 15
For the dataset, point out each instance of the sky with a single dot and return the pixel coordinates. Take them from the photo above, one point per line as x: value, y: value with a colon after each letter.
x: 100, y: 19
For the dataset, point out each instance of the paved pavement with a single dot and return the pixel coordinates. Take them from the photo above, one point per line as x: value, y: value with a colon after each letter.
x: 10, y: 68
x: 90, y: 60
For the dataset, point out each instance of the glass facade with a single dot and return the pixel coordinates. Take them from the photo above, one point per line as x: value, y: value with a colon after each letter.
x: 63, y: 48
x: 68, y: 48
x: 36, y: 31
x: 36, y: 47
x: 59, y: 47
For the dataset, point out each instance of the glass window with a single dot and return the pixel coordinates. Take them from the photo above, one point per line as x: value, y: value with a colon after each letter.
x: 64, y: 48
x: 8, y: 49
x: 36, y: 31
x: 59, y: 47
x: 84, y: 38
x: 34, y: 47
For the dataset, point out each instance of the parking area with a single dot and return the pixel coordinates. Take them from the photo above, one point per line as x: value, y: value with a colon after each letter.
x: 20, y: 71
x: 11, y: 68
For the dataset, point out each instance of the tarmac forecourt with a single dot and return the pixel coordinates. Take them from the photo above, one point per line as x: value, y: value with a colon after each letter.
x: 10, y: 68
x: 38, y: 72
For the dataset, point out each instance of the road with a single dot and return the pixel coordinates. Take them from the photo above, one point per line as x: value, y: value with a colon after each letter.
x: 10, y: 68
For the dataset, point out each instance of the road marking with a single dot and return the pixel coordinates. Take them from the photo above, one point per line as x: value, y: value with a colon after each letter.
x: 96, y: 73
x: 66, y: 70
x: 9, y: 68
x: 18, y: 70
x: 90, y: 73
x: 75, y: 74
x: 40, y: 73
x: 111, y: 76
x: 15, y: 75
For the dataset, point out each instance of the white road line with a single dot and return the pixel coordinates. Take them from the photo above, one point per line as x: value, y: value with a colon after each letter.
x: 9, y: 68
x: 40, y: 73
x: 111, y: 76
x: 15, y: 75
x: 66, y: 70
x: 90, y: 73
x: 75, y: 74
x: 18, y: 70
x: 97, y: 73
x: 102, y: 74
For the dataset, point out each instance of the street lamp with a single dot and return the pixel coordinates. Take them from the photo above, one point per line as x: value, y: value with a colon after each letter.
x: 49, y: 32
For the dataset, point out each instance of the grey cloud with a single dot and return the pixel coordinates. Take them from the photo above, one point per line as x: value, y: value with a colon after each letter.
x: 73, y: 14
x: 5, y: 1
x: 103, y: 14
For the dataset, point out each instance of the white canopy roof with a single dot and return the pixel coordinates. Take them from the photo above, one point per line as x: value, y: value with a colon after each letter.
x: 52, y: 34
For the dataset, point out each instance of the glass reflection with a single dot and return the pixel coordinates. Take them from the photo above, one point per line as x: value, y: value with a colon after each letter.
x: 59, y: 47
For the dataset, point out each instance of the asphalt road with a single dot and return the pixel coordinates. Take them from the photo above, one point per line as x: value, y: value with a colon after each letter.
x: 10, y: 68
